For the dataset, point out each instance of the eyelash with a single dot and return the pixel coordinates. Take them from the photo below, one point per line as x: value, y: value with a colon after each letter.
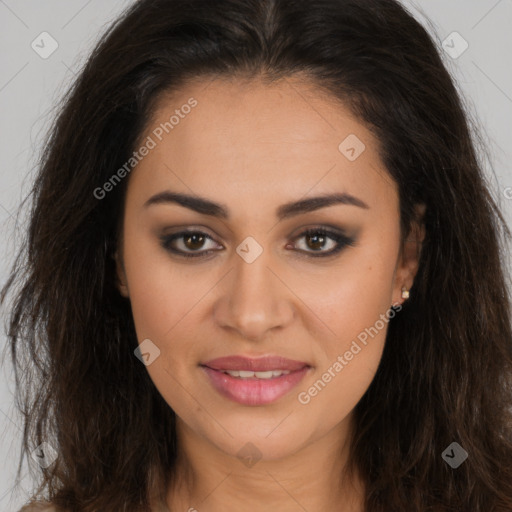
x: 342, y: 241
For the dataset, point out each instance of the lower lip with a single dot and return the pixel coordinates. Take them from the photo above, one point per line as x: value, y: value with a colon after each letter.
x: 254, y: 391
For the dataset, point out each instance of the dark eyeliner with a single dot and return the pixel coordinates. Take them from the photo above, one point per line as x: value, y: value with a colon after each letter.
x: 341, y: 240
x: 166, y: 240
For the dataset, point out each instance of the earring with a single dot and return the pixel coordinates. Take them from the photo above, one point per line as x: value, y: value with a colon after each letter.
x: 405, y: 293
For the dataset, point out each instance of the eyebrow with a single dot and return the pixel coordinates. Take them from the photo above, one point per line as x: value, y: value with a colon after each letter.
x: 207, y: 207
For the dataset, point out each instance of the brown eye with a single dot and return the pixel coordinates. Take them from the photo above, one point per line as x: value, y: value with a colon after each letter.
x: 194, y: 241
x: 319, y: 242
x: 317, y: 239
x: 187, y: 243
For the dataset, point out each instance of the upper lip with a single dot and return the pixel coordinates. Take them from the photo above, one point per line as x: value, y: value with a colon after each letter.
x: 260, y: 364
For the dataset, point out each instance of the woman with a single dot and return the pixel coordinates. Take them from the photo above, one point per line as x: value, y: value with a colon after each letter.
x: 264, y: 270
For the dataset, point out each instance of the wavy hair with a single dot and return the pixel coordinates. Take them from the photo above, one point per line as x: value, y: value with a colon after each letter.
x: 445, y: 374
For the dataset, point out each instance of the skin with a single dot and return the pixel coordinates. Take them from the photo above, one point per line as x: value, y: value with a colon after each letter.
x: 253, y: 147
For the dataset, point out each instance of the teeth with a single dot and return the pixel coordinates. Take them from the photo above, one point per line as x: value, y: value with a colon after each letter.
x: 244, y: 374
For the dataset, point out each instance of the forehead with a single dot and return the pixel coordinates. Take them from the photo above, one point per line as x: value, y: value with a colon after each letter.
x: 246, y: 137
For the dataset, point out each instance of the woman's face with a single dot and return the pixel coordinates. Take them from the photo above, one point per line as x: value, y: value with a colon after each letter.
x: 260, y: 162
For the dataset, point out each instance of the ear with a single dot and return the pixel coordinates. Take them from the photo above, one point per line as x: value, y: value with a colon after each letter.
x: 408, y: 263
x: 120, y: 275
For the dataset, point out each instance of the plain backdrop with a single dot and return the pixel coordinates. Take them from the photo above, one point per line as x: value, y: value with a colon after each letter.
x: 477, y: 48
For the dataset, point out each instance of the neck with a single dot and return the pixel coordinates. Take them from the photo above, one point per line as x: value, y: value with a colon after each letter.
x: 314, y: 478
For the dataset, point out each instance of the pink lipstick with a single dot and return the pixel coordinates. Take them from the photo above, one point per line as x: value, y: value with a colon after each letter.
x: 251, y: 381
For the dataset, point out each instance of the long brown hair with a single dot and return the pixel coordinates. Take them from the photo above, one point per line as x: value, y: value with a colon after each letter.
x: 445, y: 375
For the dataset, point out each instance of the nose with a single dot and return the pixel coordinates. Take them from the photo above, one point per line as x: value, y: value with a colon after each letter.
x: 254, y: 299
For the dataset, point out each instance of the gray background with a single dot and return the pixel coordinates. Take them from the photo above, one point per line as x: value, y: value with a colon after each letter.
x: 30, y: 87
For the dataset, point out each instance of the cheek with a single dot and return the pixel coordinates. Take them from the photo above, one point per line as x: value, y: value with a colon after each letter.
x: 164, y: 298
x: 353, y: 296
x: 348, y: 359
x: 355, y: 304
x: 161, y: 301
x: 341, y: 383
x: 162, y: 292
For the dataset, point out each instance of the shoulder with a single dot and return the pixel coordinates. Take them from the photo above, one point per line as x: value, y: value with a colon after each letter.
x: 39, y: 506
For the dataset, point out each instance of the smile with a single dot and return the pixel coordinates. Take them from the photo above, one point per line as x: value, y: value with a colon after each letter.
x: 254, y: 382
x: 243, y: 374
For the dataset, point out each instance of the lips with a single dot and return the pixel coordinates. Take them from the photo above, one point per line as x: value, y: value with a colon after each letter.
x: 262, y: 364
x: 249, y: 388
